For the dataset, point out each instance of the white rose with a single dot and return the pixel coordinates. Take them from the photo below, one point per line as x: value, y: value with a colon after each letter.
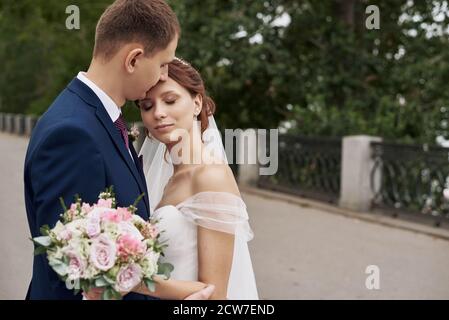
x: 127, y: 227
x: 149, y: 264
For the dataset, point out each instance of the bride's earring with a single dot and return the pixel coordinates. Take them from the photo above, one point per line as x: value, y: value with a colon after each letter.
x: 196, y: 113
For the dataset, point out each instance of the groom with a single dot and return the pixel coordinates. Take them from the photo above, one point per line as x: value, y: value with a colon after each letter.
x: 80, y: 145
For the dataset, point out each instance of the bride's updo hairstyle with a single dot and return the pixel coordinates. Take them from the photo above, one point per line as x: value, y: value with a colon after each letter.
x: 186, y: 76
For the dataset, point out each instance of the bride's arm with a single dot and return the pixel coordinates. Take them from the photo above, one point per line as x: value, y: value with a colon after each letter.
x: 165, y: 289
x: 215, y: 249
x: 171, y: 289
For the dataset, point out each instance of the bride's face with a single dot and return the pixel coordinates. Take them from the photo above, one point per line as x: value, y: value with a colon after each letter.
x: 167, y: 107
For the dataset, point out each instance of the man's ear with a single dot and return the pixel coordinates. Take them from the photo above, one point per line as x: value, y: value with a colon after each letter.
x: 131, y: 59
x: 198, y: 101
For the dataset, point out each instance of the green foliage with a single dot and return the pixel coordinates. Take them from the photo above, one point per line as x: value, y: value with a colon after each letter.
x: 324, y: 73
x: 351, y: 80
x: 39, y: 55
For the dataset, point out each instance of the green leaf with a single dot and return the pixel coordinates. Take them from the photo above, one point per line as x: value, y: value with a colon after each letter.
x: 165, y: 269
x: 110, y: 294
x: 85, y: 286
x: 108, y: 279
x: 61, y: 200
x: 106, y: 294
x: 151, y: 285
x: 43, y: 241
x: 116, y: 295
x: 60, y: 268
x: 138, y: 199
x: 40, y: 250
x: 45, y: 230
x: 101, y: 282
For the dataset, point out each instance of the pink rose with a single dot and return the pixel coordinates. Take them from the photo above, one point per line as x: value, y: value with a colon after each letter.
x: 128, y: 277
x: 93, y: 228
x: 103, y: 253
x: 105, y: 203
x: 77, y: 265
x: 112, y: 216
x: 127, y: 245
x: 86, y: 208
x: 127, y: 227
x: 124, y: 213
x: 65, y: 235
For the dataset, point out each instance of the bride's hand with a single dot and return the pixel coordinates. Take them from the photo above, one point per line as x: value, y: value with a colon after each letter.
x: 203, y: 294
x: 172, y: 289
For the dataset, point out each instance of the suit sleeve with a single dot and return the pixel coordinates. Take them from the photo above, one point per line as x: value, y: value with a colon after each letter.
x: 67, y: 163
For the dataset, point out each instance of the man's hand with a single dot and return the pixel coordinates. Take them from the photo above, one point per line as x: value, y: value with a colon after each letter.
x: 94, y: 294
x: 203, y: 294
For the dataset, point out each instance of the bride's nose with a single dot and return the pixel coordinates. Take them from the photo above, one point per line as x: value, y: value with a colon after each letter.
x: 159, y: 111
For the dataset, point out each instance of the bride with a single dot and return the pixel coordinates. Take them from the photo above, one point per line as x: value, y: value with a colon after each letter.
x: 192, y: 190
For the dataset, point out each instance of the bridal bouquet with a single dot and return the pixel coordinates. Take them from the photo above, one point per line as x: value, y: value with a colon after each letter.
x: 102, y: 246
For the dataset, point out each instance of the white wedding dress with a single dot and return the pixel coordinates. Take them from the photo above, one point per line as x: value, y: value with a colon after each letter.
x: 218, y: 211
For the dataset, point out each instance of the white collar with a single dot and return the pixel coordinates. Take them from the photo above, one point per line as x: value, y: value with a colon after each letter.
x: 112, y: 109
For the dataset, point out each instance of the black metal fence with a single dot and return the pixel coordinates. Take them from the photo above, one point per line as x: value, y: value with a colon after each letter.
x: 308, y: 167
x: 413, y: 180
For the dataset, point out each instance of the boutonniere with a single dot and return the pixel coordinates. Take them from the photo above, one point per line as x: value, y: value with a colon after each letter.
x: 133, y: 133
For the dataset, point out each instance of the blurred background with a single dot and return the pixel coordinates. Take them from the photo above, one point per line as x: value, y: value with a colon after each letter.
x: 362, y: 113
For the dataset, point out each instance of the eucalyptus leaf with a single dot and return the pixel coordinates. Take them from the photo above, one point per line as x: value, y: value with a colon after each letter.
x: 101, y: 282
x: 43, y: 241
x: 151, y: 285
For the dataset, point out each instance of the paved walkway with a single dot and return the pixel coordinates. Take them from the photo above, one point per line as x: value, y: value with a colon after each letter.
x: 298, y: 252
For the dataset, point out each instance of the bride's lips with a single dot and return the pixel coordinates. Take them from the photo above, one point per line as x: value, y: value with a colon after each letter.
x: 163, y: 127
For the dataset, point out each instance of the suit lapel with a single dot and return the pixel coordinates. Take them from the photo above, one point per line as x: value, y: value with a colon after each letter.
x: 120, y: 145
x: 138, y: 163
x: 90, y: 97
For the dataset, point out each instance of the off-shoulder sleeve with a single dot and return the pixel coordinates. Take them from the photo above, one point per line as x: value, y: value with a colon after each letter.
x: 219, y: 211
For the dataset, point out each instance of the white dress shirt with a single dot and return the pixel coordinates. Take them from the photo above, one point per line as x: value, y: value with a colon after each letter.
x: 112, y: 109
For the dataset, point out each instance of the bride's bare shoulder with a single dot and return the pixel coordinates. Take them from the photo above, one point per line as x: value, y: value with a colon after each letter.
x: 214, y: 178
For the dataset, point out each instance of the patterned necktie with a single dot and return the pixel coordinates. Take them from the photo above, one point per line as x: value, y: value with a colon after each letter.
x: 121, y: 127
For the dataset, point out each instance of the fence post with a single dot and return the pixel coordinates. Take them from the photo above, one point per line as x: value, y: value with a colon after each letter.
x: 2, y: 121
x: 19, y: 124
x: 30, y: 123
x: 357, y: 164
x: 9, y: 123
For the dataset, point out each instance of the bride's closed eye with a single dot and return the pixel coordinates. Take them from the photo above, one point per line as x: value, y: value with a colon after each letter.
x: 145, y: 105
x: 170, y: 99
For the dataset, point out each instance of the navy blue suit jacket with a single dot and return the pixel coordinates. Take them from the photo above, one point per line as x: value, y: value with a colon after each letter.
x: 75, y: 148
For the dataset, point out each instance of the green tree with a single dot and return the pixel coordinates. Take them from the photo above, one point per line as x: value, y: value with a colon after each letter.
x: 324, y: 72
